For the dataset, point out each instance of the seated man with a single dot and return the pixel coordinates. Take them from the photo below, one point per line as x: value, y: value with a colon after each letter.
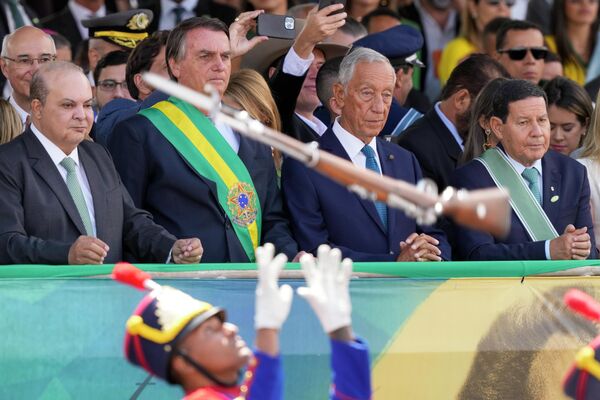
x: 325, y: 212
x: 189, y: 342
x: 198, y: 178
x: 549, y: 192
x: 62, y: 200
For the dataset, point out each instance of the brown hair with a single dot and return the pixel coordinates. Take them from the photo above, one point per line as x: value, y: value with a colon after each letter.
x: 11, y: 123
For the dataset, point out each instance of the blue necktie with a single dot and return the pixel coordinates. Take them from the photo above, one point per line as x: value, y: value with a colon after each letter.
x: 178, y: 11
x: 372, y: 165
x: 532, y: 177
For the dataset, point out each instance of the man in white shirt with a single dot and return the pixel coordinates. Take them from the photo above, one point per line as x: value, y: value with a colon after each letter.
x: 23, y: 52
x: 323, y: 211
x: 62, y: 201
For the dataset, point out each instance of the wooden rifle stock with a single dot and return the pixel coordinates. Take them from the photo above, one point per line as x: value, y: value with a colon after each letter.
x: 486, y: 210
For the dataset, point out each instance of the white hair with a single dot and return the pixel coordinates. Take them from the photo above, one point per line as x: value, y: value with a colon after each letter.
x: 357, y: 56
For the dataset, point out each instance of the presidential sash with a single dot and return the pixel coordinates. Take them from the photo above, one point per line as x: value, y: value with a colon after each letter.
x: 522, y: 201
x: 200, y: 144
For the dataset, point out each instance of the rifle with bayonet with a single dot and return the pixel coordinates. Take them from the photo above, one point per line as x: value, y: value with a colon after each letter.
x: 486, y: 209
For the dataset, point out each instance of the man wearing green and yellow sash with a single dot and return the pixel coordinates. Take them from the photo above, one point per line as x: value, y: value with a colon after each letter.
x: 197, y: 176
x: 549, y: 192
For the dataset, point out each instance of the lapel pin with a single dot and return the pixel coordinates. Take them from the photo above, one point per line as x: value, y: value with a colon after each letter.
x: 391, y: 157
x: 554, y: 199
x: 552, y: 188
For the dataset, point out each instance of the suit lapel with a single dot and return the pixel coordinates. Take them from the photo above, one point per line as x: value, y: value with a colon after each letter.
x: 449, y: 143
x: 551, y: 182
x: 97, y: 188
x: 330, y: 143
x: 43, y: 165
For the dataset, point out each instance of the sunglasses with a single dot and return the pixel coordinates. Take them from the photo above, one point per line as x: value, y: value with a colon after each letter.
x: 509, y: 3
x: 519, y: 53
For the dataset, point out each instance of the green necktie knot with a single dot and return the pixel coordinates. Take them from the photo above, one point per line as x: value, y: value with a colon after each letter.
x: 532, y: 177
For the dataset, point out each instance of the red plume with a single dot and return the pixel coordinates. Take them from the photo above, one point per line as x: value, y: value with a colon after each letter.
x: 583, y: 304
x: 130, y: 275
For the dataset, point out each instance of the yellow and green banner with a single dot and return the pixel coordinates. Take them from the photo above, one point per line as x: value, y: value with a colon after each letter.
x: 430, y: 337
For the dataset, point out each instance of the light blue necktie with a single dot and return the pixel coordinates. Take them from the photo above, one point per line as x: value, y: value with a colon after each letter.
x: 372, y: 165
x: 532, y: 177
x: 75, y: 189
x: 178, y: 11
x: 15, y: 13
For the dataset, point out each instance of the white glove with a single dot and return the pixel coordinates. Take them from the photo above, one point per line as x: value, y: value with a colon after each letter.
x: 327, y: 291
x: 272, y: 302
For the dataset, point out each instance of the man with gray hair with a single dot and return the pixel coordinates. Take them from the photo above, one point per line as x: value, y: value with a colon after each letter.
x: 320, y: 208
x: 62, y: 200
x: 23, y: 51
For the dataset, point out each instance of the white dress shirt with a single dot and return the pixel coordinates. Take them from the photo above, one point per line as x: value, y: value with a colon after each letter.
x: 57, y: 155
x: 80, y: 13
x: 167, y: 16
x: 22, y: 113
x: 315, y: 124
x: 449, y: 125
x: 354, y: 145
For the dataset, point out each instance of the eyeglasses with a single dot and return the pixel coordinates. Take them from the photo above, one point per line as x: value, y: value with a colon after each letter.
x: 519, y: 53
x: 509, y: 3
x: 109, y: 85
x: 28, y: 62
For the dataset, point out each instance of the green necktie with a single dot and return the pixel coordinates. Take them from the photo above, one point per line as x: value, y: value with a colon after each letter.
x: 75, y: 189
x: 16, y: 15
x: 532, y: 177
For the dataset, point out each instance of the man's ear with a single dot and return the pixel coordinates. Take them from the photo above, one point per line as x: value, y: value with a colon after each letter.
x: 36, y: 109
x: 338, y: 94
x: 174, y: 66
x: 462, y: 100
x: 497, y: 126
x: 140, y: 84
x: 3, y: 68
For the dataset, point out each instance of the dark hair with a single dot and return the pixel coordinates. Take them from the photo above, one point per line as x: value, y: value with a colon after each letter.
x: 473, y: 74
x: 326, y: 77
x: 494, y: 25
x: 117, y: 57
x: 353, y: 28
x: 513, y: 25
x: 482, y: 108
x: 514, y: 90
x: 379, y: 12
x: 142, y: 57
x: 60, y: 41
x: 559, y: 31
x: 566, y: 94
x: 176, y: 41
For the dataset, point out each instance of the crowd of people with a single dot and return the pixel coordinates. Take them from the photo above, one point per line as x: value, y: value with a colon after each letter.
x: 97, y: 166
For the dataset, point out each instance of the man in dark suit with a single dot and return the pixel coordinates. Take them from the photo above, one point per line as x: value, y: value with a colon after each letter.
x: 550, y: 193
x: 325, y: 212
x: 170, y: 179
x: 292, y: 79
x: 62, y: 200
x: 437, y: 138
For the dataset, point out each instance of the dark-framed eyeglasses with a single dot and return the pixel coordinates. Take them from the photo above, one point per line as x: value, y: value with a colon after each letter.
x: 519, y: 53
x: 509, y: 3
x: 25, y: 62
x: 109, y: 85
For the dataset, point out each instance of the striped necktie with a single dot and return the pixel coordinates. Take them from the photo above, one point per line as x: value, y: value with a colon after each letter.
x: 77, y: 194
x: 373, y: 166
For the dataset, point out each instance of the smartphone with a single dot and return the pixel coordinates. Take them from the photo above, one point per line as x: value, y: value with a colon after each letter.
x: 276, y: 26
x: 325, y: 3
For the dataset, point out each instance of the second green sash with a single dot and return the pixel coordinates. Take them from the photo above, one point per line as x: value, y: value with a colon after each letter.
x: 197, y: 140
x: 522, y: 201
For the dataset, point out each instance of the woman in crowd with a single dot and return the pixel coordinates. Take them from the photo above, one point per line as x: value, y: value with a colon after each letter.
x: 476, y: 15
x: 570, y: 111
x: 590, y: 157
x: 480, y: 136
x: 248, y: 90
x: 575, y: 38
x: 11, y: 123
